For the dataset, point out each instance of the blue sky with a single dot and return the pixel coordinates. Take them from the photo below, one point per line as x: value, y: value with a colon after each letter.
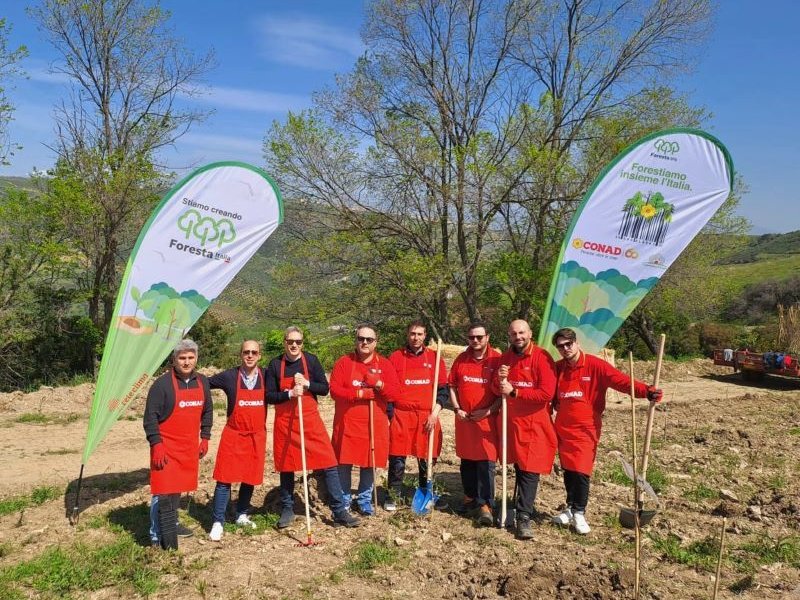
x: 271, y: 55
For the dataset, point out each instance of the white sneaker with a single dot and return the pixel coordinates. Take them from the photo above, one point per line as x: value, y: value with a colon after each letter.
x: 564, y: 517
x: 580, y: 524
x: 244, y: 521
x: 216, y: 532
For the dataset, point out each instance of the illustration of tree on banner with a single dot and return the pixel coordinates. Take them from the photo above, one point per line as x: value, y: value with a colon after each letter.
x: 646, y: 219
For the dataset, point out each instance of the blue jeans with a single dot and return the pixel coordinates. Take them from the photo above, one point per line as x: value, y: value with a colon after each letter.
x: 155, y: 530
x: 222, y: 494
x: 332, y: 482
x: 366, y: 479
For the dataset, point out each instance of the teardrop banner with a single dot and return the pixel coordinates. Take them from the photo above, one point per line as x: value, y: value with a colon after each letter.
x: 637, y: 217
x: 201, y: 234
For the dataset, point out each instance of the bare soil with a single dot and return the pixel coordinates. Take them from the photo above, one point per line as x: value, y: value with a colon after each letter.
x: 713, y: 432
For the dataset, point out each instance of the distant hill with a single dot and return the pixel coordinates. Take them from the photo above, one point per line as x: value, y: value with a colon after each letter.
x: 767, y: 244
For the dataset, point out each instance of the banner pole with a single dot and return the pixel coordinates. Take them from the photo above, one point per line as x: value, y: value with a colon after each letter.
x: 73, y: 518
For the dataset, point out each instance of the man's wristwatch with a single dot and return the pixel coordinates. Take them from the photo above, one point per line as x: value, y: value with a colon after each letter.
x: 513, y: 393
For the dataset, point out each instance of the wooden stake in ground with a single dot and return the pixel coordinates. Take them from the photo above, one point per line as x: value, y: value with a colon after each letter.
x: 637, y: 557
x: 719, y: 559
x: 651, y: 413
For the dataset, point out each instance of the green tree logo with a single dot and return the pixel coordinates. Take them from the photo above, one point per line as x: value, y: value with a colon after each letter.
x: 206, y: 229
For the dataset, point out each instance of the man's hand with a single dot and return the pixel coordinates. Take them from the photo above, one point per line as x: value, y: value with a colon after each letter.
x: 480, y: 414
x: 158, y: 456
x: 430, y: 423
x: 502, y: 372
x: 203, y: 447
x: 505, y: 386
x: 462, y: 414
x: 300, y: 380
x: 654, y: 394
x: 372, y: 379
x: 297, y: 390
x: 365, y: 394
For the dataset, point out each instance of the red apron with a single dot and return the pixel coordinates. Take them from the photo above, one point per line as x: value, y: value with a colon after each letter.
x: 407, y: 436
x: 532, y: 438
x: 350, y: 437
x: 181, y: 436
x: 286, y: 430
x: 577, y: 424
x: 475, y: 440
x: 242, y: 447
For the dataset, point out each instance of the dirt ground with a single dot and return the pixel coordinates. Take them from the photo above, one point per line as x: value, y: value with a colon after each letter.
x: 722, y: 447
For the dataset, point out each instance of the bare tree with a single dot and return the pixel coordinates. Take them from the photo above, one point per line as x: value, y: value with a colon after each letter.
x: 127, y: 71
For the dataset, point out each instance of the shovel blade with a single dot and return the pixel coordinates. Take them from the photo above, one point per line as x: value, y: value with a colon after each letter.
x: 423, y: 501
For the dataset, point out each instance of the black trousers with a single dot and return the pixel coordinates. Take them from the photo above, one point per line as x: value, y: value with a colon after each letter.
x: 397, y: 468
x: 168, y: 520
x: 477, y: 478
x: 577, y: 486
x: 526, y: 488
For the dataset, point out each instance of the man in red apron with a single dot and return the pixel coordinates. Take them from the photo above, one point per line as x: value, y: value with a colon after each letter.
x: 296, y: 373
x: 582, y: 381
x: 415, y: 414
x: 471, y: 395
x: 362, y: 384
x: 240, y: 457
x: 177, y: 421
x: 527, y: 377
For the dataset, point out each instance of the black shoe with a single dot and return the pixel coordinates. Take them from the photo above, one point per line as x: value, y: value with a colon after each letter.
x: 524, y: 531
x: 287, y: 517
x: 343, y: 518
x: 485, y: 517
x: 441, y: 503
x: 183, y: 531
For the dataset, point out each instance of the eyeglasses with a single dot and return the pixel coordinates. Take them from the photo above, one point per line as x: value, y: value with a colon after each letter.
x: 365, y: 340
x: 476, y: 337
x: 564, y: 345
x: 247, y: 352
x: 293, y: 342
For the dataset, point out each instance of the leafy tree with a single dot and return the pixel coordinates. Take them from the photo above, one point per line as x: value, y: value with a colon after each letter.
x: 126, y: 70
x: 9, y: 57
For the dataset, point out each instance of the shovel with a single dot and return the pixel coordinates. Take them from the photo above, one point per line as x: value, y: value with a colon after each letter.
x: 425, y: 498
x: 506, y: 517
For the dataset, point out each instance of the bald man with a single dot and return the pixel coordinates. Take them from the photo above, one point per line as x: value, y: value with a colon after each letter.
x: 527, y: 378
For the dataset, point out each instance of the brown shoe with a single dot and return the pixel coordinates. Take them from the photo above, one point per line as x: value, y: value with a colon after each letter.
x: 485, y: 518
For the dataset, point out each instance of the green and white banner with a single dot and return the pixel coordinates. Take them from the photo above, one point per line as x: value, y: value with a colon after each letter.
x: 202, y: 233
x: 637, y: 217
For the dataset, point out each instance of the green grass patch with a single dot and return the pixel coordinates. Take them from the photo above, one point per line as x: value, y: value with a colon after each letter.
x: 701, y: 554
x: 794, y: 431
x: 263, y: 523
x: 768, y: 551
x: 59, y: 452
x: 38, y: 496
x: 64, y: 571
x: 45, y: 419
x: 700, y: 492
x: 368, y: 556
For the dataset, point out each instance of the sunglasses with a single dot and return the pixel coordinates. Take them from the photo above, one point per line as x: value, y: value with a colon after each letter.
x: 366, y: 340
x: 564, y: 345
x: 248, y: 352
x: 476, y: 337
x: 293, y: 342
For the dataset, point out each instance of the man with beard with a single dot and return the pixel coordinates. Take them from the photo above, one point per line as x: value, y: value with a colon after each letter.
x: 526, y: 377
x: 415, y: 415
x: 582, y: 381
x: 474, y: 404
x: 240, y: 457
x: 177, y: 420
x: 289, y: 376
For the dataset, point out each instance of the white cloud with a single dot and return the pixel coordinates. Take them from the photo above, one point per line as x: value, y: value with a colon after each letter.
x: 250, y: 100
x: 305, y: 42
x: 215, y: 143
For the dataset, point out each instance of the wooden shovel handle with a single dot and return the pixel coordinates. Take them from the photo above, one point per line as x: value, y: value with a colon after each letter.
x: 651, y: 410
